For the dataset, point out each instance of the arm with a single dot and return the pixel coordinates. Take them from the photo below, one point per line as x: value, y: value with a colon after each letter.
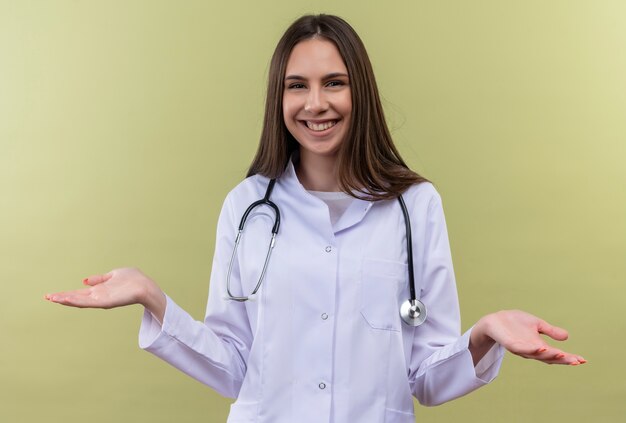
x: 215, y: 353
x: 441, y: 365
x: 448, y: 366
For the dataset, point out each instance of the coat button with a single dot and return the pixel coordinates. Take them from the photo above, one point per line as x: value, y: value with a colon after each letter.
x: 322, y: 385
x: 328, y: 248
x: 324, y: 316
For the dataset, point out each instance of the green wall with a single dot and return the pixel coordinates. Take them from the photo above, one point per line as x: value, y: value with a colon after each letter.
x: 124, y: 123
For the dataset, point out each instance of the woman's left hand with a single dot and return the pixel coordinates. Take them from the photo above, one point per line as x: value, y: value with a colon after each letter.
x: 520, y: 333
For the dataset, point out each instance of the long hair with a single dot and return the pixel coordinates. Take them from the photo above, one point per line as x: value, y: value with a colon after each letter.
x: 369, y: 165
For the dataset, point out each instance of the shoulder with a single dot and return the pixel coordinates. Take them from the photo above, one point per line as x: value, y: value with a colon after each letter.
x: 241, y: 196
x: 247, y: 187
x: 247, y: 191
x: 422, y: 196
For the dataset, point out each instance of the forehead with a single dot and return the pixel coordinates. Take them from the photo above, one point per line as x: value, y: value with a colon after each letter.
x: 315, y: 56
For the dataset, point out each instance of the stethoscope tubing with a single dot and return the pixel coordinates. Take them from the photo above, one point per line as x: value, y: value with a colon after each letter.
x: 409, y: 247
x: 412, y: 311
x: 267, y: 202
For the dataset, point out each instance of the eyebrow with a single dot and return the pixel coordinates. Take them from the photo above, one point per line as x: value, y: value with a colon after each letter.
x: 329, y: 76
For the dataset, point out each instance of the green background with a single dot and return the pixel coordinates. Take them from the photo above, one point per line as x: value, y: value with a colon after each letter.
x: 123, y: 124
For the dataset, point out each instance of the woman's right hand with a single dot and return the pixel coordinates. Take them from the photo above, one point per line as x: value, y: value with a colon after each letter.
x: 117, y: 288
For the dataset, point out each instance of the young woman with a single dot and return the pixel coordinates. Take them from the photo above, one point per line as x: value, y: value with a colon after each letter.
x: 322, y: 339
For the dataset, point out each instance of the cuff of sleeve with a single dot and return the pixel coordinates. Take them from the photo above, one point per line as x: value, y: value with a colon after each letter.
x: 450, y: 372
x: 446, y: 353
x: 488, y: 367
x: 153, y: 333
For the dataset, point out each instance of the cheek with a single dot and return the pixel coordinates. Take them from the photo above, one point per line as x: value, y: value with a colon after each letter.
x: 287, y: 110
x: 346, y: 106
x: 288, y: 118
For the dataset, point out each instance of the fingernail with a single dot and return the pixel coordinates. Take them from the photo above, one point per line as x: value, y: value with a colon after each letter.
x: 85, y: 281
x: 575, y: 363
x: 583, y: 361
x: 542, y: 349
x: 560, y: 355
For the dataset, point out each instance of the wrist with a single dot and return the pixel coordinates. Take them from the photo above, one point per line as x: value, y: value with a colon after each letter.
x: 480, y: 342
x: 480, y: 333
x: 152, y: 298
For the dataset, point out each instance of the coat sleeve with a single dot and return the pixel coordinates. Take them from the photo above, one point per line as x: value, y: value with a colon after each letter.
x: 441, y: 366
x: 214, y: 351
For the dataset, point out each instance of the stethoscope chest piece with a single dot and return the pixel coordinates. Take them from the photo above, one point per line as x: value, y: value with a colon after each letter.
x: 413, y: 312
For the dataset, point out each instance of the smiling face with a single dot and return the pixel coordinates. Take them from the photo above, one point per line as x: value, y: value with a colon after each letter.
x: 316, y: 101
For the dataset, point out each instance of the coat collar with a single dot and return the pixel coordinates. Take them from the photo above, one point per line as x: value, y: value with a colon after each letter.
x: 353, y: 214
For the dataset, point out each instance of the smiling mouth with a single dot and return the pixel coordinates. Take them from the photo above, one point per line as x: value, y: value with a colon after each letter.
x: 321, y: 126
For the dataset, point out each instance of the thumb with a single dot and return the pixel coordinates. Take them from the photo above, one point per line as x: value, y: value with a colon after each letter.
x: 553, y: 332
x: 96, y: 279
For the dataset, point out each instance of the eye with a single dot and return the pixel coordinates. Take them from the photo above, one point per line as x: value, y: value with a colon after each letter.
x: 295, y: 86
x: 335, y: 83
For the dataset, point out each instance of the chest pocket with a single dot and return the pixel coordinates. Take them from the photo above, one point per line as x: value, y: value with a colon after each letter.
x: 382, y: 283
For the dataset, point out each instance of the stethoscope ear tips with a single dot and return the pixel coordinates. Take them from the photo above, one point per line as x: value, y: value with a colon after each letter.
x: 413, y: 312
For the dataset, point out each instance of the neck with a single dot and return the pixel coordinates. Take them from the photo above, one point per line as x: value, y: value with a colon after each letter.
x: 317, y: 173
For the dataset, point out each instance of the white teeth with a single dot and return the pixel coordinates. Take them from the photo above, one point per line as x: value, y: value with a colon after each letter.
x: 320, y: 126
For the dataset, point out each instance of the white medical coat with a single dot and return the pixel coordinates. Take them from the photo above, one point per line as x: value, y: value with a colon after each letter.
x: 324, y: 341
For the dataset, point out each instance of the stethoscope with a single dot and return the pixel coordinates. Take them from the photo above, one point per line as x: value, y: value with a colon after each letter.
x: 412, y: 311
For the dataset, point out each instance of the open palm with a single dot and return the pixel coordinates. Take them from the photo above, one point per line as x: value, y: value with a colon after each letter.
x: 521, y: 334
x: 119, y: 287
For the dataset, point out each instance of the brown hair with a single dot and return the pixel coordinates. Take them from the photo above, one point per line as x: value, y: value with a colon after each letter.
x: 369, y: 165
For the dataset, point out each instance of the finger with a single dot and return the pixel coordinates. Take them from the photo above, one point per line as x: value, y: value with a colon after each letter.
x: 568, y: 359
x: 60, y: 296
x: 549, y: 353
x: 561, y: 362
x: 80, y: 301
x: 541, y: 354
x: 527, y: 348
x: 565, y: 360
x: 553, y: 332
x: 571, y: 359
x: 562, y: 357
x: 546, y: 352
x: 96, y: 279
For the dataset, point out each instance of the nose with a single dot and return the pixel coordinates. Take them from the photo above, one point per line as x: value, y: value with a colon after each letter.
x: 316, y: 101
